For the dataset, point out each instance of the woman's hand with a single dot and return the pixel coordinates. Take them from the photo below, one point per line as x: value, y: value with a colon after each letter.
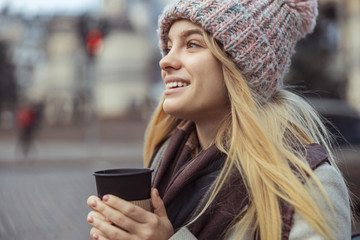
x: 132, y: 222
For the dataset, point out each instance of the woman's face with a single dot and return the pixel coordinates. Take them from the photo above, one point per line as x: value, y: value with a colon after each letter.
x: 194, y: 82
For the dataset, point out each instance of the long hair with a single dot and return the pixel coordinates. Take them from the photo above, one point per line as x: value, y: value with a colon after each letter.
x: 264, y: 142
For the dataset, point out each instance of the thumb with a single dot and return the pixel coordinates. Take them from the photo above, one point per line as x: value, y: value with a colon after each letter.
x: 158, y: 204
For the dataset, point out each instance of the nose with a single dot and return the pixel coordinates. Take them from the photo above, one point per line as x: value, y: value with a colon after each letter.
x: 170, y: 61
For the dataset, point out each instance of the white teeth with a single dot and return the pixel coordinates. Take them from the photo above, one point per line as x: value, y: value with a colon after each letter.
x: 176, y: 84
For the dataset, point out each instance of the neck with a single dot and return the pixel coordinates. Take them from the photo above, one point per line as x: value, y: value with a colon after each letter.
x: 206, y: 132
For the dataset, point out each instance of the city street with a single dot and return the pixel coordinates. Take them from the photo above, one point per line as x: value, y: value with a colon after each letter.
x: 44, y: 196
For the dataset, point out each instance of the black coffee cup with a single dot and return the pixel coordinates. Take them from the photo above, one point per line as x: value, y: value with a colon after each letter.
x: 130, y: 184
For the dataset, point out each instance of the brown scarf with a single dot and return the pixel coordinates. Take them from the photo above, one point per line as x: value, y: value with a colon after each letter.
x: 185, y: 183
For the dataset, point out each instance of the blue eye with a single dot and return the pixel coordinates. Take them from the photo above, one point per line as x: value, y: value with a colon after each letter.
x: 191, y: 44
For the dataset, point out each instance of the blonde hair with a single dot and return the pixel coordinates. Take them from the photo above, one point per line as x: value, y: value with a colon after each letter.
x: 261, y: 140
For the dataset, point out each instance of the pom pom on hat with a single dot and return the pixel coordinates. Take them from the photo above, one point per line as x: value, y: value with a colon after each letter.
x: 308, y: 11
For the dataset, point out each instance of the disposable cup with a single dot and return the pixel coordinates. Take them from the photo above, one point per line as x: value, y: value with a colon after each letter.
x: 130, y: 184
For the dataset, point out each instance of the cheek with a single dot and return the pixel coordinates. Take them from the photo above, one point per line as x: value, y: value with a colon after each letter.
x: 214, y: 75
x: 209, y: 65
x: 218, y: 85
x: 217, y: 70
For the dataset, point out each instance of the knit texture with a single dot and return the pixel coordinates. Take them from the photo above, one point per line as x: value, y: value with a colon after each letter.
x: 258, y: 35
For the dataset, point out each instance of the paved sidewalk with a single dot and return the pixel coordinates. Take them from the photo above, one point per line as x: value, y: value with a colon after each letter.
x: 44, y: 196
x: 47, y: 200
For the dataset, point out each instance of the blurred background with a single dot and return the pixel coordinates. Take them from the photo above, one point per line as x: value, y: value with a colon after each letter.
x: 79, y: 80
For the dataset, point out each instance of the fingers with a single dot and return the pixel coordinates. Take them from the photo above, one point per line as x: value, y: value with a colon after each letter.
x: 101, y: 238
x: 160, y: 211
x: 113, y: 215
x: 158, y: 204
x: 128, y: 209
x: 92, y: 201
x: 114, y: 218
x: 99, y: 216
x: 96, y: 234
x: 105, y: 230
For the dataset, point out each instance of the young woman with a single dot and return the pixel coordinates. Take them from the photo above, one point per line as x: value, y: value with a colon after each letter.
x: 236, y: 155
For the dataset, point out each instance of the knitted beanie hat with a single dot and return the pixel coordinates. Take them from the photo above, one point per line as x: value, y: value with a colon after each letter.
x: 258, y: 35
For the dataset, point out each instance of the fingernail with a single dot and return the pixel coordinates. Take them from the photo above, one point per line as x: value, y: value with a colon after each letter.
x: 93, y: 203
x: 90, y: 219
x: 105, y: 198
x: 95, y: 236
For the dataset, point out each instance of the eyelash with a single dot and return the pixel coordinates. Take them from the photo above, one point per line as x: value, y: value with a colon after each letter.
x: 191, y: 42
x: 187, y: 44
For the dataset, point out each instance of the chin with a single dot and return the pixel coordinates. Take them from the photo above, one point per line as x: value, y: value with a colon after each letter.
x: 173, y: 112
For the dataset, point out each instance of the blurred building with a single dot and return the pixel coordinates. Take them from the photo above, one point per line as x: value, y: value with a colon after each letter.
x: 328, y: 61
x: 123, y: 65
x: 51, y: 64
x: 110, y: 84
x: 347, y: 20
x: 351, y: 25
x: 22, y: 48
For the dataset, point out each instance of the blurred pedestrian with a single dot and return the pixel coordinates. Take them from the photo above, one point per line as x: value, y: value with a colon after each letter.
x: 28, y: 119
x: 236, y: 155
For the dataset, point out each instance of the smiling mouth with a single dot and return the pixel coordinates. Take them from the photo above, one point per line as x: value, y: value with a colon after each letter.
x: 176, y: 85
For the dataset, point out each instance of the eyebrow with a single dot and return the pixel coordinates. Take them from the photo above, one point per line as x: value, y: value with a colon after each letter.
x: 189, y: 32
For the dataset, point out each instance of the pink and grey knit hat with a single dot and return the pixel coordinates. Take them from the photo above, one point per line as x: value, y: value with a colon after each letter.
x: 258, y: 35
